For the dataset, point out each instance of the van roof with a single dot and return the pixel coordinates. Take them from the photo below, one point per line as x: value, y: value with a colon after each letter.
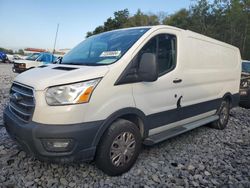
x: 155, y: 27
x: 189, y: 33
x: 199, y: 36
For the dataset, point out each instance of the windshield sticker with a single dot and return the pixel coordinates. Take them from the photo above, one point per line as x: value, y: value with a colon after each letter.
x: 107, y: 61
x: 110, y: 54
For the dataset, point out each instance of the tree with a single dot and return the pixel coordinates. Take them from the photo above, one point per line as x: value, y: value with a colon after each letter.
x: 141, y: 19
x: 120, y: 19
x: 201, y: 17
x: 7, y: 51
x: 20, y: 51
x: 179, y: 19
x: 238, y: 31
x: 225, y: 20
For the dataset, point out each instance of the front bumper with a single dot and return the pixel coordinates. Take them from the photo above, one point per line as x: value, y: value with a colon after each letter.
x: 30, y: 137
x: 245, y: 97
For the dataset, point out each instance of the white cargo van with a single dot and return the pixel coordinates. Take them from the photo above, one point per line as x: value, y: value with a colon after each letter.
x: 119, y: 89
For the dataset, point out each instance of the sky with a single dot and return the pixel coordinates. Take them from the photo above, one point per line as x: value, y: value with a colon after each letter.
x: 32, y: 23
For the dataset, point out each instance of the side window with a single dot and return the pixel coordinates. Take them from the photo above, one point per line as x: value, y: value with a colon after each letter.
x: 46, y: 58
x: 150, y: 47
x: 164, y: 47
x: 166, y: 56
x: 54, y: 58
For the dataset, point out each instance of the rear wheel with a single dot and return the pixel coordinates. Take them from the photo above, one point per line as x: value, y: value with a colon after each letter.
x: 223, y: 113
x: 118, y: 148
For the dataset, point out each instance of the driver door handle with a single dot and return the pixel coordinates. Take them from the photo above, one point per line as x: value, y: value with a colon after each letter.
x: 176, y: 81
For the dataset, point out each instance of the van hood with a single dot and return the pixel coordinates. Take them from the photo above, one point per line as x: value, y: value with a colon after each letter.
x: 45, y: 76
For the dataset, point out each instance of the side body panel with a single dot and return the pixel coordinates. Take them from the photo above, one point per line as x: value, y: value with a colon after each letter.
x: 29, y: 64
x: 33, y: 64
x: 208, y: 70
x: 211, y: 69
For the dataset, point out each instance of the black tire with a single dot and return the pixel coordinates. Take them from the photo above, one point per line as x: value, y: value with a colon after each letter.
x: 110, y: 140
x: 223, y: 113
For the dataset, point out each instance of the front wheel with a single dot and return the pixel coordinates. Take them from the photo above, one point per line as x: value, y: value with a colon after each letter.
x: 223, y: 113
x: 118, y: 148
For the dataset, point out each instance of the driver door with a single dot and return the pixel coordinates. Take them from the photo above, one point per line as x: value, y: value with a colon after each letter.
x: 158, y: 97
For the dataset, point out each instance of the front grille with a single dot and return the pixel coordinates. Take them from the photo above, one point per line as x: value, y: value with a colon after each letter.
x: 16, y: 65
x: 22, y: 102
x: 19, y: 65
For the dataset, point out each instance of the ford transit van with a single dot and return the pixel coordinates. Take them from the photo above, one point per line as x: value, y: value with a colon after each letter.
x: 120, y: 89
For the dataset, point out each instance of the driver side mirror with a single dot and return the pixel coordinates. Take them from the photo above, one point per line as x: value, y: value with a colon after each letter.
x: 58, y: 60
x: 148, y: 68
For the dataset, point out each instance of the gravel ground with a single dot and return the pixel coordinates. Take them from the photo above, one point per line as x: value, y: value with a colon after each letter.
x: 203, y: 157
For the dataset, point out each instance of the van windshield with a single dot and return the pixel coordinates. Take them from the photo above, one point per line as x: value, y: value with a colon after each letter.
x: 246, y: 67
x: 103, y: 49
x: 33, y: 56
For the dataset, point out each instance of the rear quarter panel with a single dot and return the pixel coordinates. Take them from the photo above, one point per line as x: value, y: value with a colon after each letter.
x: 211, y: 69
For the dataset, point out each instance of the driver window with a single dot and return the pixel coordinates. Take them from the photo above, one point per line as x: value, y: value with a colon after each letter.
x: 164, y: 47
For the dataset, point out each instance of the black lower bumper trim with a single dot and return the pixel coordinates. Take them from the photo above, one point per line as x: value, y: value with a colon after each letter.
x: 30, y: 136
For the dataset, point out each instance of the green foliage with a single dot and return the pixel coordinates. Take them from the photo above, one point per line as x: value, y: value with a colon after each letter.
x: 141, y: 19
x: 225, y: 20
x: 7, y: 51
x: 179, y: 19
x: 20, y: 52
x: 120, y: 19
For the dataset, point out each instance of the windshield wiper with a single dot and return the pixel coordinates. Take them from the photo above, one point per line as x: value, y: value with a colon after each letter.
x: 85, y: 64
x: 71, y: 63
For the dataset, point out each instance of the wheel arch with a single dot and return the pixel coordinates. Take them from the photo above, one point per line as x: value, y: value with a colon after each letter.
x: 233, y: 99
x: 134, y: 115
x: 228, y: 96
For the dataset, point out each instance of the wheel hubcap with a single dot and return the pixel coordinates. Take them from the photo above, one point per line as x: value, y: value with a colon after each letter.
x: 122, y: 149
x: 223, y: 115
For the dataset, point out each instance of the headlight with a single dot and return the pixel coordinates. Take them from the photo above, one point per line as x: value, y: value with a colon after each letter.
x: 72, y: 93
x: 22, y: 65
